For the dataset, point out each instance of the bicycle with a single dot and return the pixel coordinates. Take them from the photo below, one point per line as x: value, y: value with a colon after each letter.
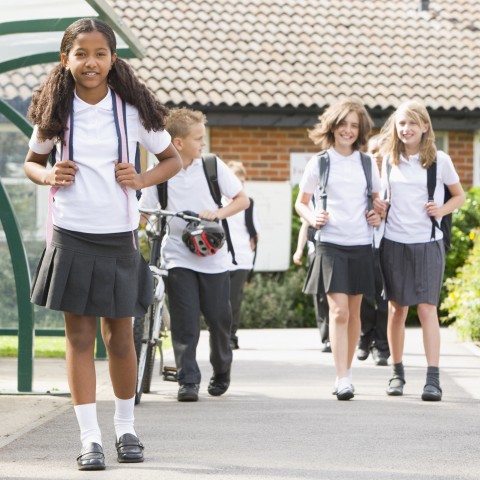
x: 150, y: 330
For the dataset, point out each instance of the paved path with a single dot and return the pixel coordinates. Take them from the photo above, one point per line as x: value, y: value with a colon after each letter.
x: 278, y: 420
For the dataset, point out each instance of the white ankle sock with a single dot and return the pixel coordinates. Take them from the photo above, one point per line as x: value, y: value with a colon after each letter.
x: 349, y: 375
x: 343, y: 383
x: 124, y: 418
x: 87, y: 421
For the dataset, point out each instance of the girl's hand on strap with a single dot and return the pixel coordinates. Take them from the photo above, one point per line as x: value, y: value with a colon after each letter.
x: 373, y: 218
x: 320, y: 219
x: 127, y: 176
x: 62, y: 174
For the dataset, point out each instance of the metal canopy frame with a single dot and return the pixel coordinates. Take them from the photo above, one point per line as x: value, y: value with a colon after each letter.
x: 25, y: 42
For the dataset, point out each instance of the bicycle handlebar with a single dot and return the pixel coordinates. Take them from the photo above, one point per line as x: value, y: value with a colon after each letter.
x: 186, y: 215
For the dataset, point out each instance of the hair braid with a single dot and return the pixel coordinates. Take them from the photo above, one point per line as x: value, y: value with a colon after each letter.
x: 123, y: 80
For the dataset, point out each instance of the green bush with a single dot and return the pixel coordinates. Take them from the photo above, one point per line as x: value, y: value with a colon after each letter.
x: 276, y: 300
x: 465, y: 220
x: 463, y: 299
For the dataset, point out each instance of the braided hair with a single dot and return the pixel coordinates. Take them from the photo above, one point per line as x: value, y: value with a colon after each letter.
x: 51, y: 103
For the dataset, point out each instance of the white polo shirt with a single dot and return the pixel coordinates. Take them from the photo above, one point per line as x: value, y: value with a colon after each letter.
x: 95, y: 202
x: 408, y: 221
x: 346, y: 198
x: 188, y: 190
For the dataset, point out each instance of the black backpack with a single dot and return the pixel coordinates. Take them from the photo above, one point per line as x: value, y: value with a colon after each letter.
x: 209, y: 162
x: 446, y: 224
x: 324, y: 169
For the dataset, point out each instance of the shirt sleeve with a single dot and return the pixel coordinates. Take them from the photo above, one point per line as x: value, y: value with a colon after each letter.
x: 230, y: 185
x: 154, y: 142
x: 376, y: 183
x: 39, y: 146
x: 448, y: 174
x: 310, y: 177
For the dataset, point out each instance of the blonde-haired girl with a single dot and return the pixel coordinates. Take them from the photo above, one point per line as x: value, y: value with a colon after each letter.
x: 412, y: 260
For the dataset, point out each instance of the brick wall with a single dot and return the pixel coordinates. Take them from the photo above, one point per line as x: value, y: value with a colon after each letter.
x: 265, y: 151
x: 460, y: 148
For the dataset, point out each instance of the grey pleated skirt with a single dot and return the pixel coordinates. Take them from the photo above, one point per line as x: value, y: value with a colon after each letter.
x: 94, y: 275
x: 341, y: 269
x: 413, y: 273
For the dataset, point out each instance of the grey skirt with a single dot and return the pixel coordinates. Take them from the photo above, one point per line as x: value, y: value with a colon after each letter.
x: 341, y: 269
x: 94, y: 275
x: 413, y: 273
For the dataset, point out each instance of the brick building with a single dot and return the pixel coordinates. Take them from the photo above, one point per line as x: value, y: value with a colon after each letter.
x: 264, y: 70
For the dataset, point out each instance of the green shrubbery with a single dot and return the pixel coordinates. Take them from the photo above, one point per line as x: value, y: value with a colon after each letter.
x: 463, y: 299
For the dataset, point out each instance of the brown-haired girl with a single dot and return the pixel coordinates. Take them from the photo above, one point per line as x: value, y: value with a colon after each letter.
x: 412, y: 261
x: 92, y: 265
x: 343, y: 267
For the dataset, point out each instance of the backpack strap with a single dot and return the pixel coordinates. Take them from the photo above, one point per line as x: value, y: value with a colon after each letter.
x: 209, y: 161
x: 252, y: 231
x: 431, y: 184
x: 324, y: 172
x: 367, y: 169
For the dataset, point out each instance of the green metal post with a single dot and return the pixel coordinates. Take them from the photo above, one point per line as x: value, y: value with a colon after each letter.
x: 26, y: 329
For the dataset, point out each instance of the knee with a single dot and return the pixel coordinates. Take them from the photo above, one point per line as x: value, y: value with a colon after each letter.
x: 339, y: 315
x: 427, y: 312
x: 81, y: 340
x: 118, y: 344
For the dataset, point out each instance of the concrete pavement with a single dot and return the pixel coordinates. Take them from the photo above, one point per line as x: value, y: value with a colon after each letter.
x: 279, y: 419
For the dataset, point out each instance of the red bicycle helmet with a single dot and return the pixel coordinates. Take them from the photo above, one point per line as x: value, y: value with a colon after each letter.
x: 203, y: 238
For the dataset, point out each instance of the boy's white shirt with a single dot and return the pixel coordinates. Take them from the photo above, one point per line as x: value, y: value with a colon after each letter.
x: 188, y: 190
x: 95, y: 202
x: 408, y: 221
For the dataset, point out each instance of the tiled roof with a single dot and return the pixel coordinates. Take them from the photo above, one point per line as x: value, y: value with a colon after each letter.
x: 304, y: 53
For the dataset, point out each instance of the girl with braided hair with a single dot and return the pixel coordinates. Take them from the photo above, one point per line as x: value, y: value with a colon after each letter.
x: 94, y: 111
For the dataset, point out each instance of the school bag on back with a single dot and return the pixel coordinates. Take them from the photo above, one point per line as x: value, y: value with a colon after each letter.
x: 446, y: 222
x: 209, y: 162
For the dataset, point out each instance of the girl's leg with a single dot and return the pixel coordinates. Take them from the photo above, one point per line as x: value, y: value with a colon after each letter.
x: 80, y: 333
x: 117, y: 334
x: 122, y: 362
x: 431, y: 332
x: 354, y: 325
x: 339, y: 331
x: 397, y: 315
x: 431, y: 341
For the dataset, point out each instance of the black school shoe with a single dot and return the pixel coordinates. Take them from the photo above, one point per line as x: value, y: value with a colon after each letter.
x: 188, y: 392
x: 431, y: 393
x: 380, y: 358
x: 129, y: 449
x: 91, y: 457
x: 219, y: 384
x: 395, y: 386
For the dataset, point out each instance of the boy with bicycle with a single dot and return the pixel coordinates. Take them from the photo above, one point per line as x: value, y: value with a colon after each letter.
x: 197, y: 284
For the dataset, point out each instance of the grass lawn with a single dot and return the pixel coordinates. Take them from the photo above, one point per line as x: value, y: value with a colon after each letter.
x: 47, y: 347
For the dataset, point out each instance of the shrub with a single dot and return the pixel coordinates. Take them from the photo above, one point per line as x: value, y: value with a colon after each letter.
x: 465, y: 220
x: 463, y: 299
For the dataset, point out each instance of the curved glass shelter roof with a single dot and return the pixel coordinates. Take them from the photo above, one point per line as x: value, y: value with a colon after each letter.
x: 31, y: 31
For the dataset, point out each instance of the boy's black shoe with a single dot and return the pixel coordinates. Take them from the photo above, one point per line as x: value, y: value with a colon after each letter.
x: 188, y: 392
x: 219, y: 384
x: 91, y: 457
x: 363, y: 349
x: 380, y: 358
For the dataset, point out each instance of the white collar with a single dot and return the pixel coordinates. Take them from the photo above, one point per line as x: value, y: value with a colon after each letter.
x: 104, y: 104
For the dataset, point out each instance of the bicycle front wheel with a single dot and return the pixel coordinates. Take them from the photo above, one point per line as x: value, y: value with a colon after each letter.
x: 145, y: 346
